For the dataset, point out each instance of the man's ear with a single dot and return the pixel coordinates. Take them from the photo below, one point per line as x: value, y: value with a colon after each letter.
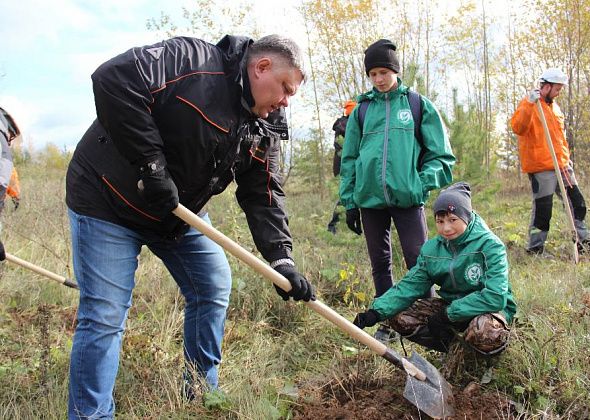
x: 262, y: 65
x: 545, y: 89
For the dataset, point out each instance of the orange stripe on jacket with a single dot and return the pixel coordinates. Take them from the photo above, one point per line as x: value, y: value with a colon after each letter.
x: 127, y: 202
x: 225, y: 130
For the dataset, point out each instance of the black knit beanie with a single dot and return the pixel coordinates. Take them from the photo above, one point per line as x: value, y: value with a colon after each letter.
x: 381, y: 54
x: 456, y: 200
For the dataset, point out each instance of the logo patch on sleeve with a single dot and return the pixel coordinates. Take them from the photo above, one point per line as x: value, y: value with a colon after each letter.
x: 473, y: 273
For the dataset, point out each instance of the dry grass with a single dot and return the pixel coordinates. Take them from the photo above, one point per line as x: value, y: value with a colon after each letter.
x: 271, y: 348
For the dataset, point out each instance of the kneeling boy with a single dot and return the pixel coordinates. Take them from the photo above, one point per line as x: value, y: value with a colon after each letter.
x: 468, y: 262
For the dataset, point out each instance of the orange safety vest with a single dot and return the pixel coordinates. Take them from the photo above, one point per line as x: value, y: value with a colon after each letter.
x: 532, y: 146
x: 13, y: 189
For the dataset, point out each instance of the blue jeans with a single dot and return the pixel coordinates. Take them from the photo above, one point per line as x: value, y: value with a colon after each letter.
x: 105, y: 261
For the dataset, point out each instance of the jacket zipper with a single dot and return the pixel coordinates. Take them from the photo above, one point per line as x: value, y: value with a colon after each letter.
x: 451, y: 272
x: 385, y: 144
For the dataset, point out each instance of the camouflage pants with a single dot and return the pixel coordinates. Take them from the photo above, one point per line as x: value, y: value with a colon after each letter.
x: 487, y: 333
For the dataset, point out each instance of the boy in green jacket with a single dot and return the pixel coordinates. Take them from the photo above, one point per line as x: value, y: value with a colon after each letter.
x: 391, y: 159
x: 468, y: 262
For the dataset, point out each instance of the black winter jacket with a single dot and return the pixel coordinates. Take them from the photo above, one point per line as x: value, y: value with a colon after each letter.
x: 181, y: 99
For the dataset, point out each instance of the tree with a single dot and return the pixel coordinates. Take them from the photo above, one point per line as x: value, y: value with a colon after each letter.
x: 341, y: 31
x: 467, y: 135
x: 209, y: 20
x: 468, y: 52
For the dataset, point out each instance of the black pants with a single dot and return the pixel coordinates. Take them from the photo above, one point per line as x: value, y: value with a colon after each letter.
x: 412, y: 231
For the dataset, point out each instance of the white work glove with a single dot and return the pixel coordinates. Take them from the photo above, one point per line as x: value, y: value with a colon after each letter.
x: 533, y: 96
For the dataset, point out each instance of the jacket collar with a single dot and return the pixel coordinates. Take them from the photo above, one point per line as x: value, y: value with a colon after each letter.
x: 375, y: 94
x: 235, y: 54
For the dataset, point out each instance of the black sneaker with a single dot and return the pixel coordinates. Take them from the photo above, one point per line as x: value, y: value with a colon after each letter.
x: 385, y: 334
x: 535, y: 250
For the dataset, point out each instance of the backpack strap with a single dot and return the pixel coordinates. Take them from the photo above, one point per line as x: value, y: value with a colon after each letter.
x: 416, y: 108
x: 362, y: 112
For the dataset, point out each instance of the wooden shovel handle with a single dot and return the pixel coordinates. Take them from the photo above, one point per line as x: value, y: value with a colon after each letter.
x: 270, y: 274
x: 42, y: 271
x: 568, y: 210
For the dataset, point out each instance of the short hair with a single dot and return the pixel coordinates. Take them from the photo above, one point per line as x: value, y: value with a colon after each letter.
x: 282, y: 46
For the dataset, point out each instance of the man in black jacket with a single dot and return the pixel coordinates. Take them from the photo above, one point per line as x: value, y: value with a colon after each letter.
x: 185, y: 118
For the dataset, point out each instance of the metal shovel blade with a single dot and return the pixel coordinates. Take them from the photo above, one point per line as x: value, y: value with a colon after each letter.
x: 433, y: 395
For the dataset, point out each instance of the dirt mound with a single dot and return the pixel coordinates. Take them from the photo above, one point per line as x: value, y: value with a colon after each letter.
x: 358, y: 398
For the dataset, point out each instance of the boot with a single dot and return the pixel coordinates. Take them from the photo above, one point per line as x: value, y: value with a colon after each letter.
x: 333, y: 222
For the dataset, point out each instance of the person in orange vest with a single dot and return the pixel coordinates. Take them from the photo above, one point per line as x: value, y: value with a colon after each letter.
x: 536, y: 160
x: 8, y: 132
x: 13, y: 190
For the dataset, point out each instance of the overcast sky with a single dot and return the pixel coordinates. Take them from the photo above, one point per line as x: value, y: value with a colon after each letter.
x: 50, y: 49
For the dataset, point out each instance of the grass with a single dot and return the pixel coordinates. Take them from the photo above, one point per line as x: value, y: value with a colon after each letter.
x: 273, y: 350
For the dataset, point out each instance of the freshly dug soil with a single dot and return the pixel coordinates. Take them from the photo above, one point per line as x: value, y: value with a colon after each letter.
x: 376, y: 399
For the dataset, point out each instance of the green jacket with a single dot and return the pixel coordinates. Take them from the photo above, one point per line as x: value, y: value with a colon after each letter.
x: 472, y: 272
x: 384, y: 167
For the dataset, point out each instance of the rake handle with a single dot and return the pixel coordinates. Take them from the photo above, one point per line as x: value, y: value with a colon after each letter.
x: 270, y: 274
x: 42, y: 271
x: 568, y: 210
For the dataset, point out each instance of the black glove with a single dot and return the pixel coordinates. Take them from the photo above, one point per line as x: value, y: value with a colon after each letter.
x: 439, y: 323
x: 301, y: 288
x: 16, y: 202
x: 353, y: 220
x: 157, y: 187
x: 366, y: 319
x: 2, y: 252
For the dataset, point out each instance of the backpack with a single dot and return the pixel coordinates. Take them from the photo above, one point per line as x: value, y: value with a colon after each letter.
x: 415, y: 107
x: 339, y: 128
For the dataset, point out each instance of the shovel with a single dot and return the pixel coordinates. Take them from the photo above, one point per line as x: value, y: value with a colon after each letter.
x: 425, y: 387
x: 558, y: 175
x: 42, y: 271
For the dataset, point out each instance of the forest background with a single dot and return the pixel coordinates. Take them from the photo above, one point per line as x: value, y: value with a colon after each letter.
x: 280, y: 359
x: 494, y: 59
